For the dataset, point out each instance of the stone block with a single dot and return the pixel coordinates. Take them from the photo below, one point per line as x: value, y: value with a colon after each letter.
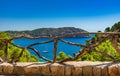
x: 45, y: 69
x: 19, y: 70
x: 113, y: 70
x: 32, y: 70
x: 68, y: 70
x: 118, y: 66
x: 97, y: 71
x: 57, y: 69
x: 61, y: 70
x: 1, y: 69
x: 76, y: 71
x: 87, y: 70
x: 104, y: 71
x: 7, y: 68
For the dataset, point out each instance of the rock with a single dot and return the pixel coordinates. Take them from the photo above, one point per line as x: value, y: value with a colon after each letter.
x: 32, y: 70
x: 87, y: 71
x: 57, y: 69
x: 45, y: 69
x: 97, y: 71
x: 119, y: 68
x: 76, y: 71
x: 18, y: 70
x: 68, y: 70
x: 113, y: 70
x: 104, y: 70
x: 6, y: 68
x: 61, y: 70
x: 1, y: 69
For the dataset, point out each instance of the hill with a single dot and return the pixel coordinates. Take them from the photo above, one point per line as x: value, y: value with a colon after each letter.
x: 49, y: 32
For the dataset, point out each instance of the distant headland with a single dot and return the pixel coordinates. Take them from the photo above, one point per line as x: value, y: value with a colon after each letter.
x: 49, y: 32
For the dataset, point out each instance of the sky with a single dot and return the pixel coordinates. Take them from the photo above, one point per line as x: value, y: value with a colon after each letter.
x: 90, y: 15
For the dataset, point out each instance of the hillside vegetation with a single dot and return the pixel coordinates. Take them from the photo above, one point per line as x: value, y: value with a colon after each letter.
x: 103, y: 47
x: 14, y: 52
x: 90, y: 56
x: 48, y: 32
x: 115, y: 27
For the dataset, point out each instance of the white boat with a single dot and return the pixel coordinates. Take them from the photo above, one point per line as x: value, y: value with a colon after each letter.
x: 45, y: 51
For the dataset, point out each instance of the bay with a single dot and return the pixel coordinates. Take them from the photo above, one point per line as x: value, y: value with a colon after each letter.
x: 46, y: 50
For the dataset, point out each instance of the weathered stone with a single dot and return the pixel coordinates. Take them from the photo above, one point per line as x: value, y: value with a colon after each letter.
x: 104, y: 71
x: 1, y: 69
x: 45, y: 70
x: 7, y: 68
x: 77, y: 71
x: 68, y: 70
x: 97, y: 71
x: 18, y: 70
x: 87, y: 71
x: 119, y: 68
x: 32, y: 70
x: 61, y: 70
x: 54, y: 70
x: 113, y: 70
x: 57, y: 69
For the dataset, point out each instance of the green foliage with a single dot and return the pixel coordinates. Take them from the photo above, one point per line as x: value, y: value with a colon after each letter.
x: 104, y: 47
x: 115, y: 27
x: 96, y: 38
x: 107, y: 29
x: 4, y: 35
x: 92, y: 56
x: 62, y: 55
x: 2, y: 43
x: 14, y: 52
x: 119, y: 40
x: 95, y: 56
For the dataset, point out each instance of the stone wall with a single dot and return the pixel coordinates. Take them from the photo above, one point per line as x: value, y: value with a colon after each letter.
x: 83, y: 68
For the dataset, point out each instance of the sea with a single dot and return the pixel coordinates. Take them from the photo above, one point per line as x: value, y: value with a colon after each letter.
x: 46, y: 50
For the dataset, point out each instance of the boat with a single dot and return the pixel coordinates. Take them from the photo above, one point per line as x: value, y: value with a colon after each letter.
x: 45, y: 51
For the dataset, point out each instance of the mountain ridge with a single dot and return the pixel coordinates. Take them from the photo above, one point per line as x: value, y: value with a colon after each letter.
x: 49, y: 32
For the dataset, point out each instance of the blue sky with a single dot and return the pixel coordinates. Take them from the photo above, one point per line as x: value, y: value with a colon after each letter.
x: 91, y: 15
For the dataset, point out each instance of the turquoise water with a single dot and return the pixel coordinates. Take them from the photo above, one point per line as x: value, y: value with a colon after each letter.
x: 46, y: 50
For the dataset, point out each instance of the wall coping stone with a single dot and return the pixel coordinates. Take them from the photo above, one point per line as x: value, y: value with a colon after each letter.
x: 82, y: 68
